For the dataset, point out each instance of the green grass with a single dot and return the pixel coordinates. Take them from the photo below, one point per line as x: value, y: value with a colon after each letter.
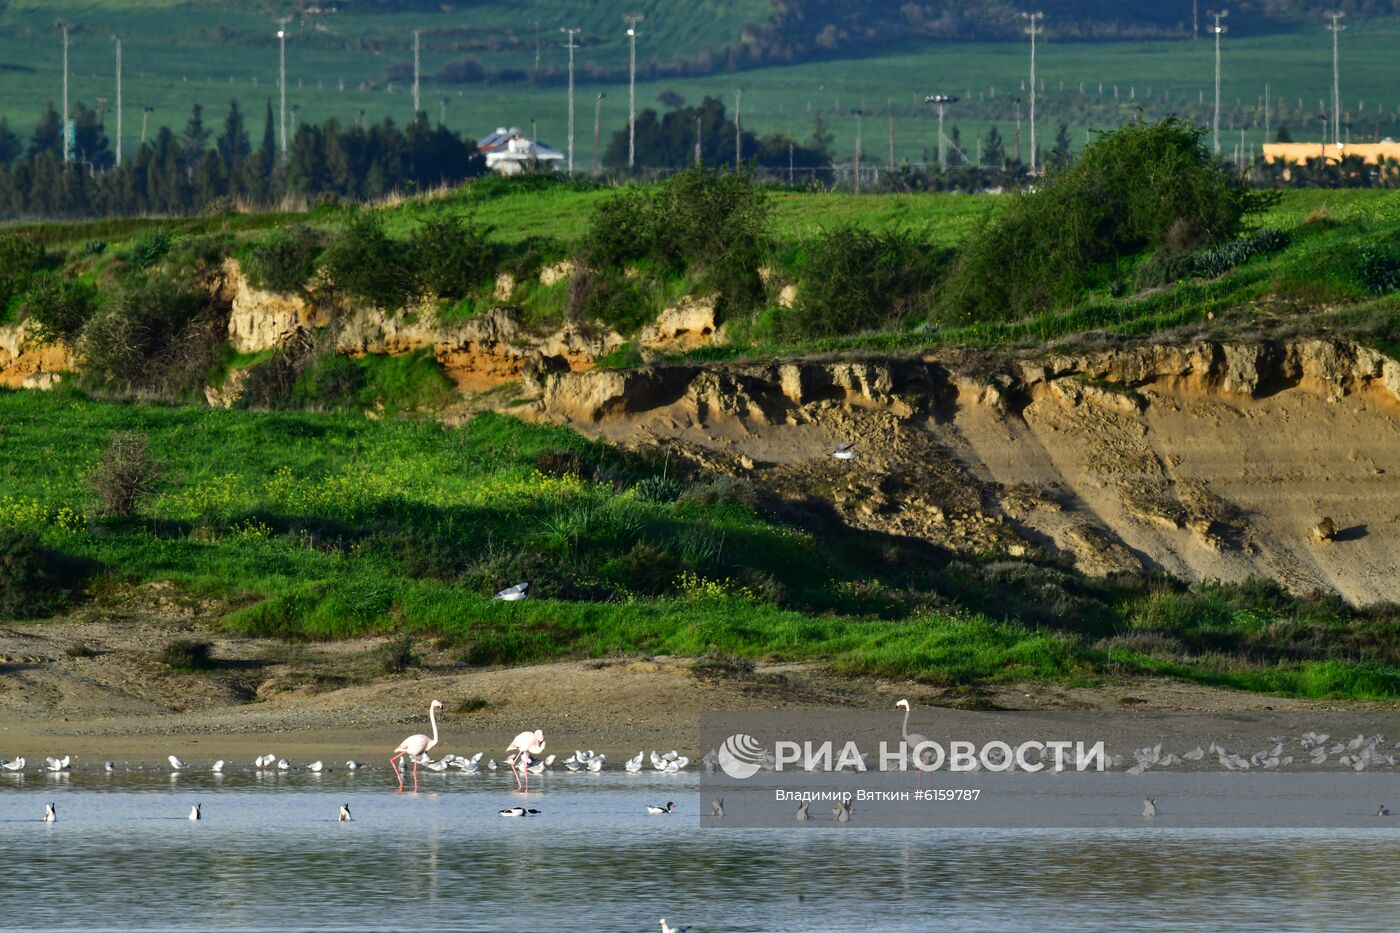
x: 323, y: 526
x: 180, y: 53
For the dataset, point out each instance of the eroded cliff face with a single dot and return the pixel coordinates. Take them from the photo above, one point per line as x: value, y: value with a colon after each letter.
x: 26, y: 363
x: 1203, y: 460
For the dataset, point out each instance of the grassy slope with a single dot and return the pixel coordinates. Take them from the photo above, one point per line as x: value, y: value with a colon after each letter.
x: 176, y: 57
x: 326, y: 526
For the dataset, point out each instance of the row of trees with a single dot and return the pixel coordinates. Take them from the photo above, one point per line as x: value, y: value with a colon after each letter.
x: 184, y: 173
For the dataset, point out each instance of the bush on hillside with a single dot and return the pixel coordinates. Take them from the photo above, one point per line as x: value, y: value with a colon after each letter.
x: 151, y: 247
x: 1132, y: 190
x: 286, y: 261
x: 609, y: 297
x: 365, y: 262
x: 59, y: 307
x: 856, y: 280
x: 711, y: 226
x: 158, y: 335
x: 453, y: 257
x: 20, y: 257
x: 34, y: 581
x: 127, y: 477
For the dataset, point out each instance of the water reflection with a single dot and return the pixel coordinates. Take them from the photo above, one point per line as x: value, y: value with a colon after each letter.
x: 270, y: 853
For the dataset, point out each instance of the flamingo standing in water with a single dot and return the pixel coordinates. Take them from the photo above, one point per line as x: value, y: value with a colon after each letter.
x: 526, y: 743
x: 415, y: 745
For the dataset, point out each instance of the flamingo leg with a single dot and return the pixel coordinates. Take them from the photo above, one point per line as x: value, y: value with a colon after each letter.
x: 415, y: 775
x: 511, y: 763
x: 394, y: 763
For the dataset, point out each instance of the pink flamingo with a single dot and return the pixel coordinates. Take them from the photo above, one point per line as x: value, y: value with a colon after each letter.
x: 526, y: 743
x: 415, y: 745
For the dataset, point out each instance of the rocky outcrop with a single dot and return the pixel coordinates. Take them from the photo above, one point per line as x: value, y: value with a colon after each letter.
x: 690, y: 323
x: 260, y: 320
x: 27, y: 363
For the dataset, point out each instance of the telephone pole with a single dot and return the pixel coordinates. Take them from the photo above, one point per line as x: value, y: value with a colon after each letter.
x: 1033, y: 30
x: 1219, y: 30
x: 572, y: 31
x: 738, y: 130
x: 1336, y: 29
x: 282, y: 79
x: 860, y: 115
x: 941, y: 101
x: 416, y: 71
x: 889, y: 110
x: 145, y: 115
x: 632, y: 19
x: 117, y: 38
x: 64, y: 28
x: 597, y: 130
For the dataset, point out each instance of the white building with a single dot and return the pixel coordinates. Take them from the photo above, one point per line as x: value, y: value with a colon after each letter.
x: 510, y: 152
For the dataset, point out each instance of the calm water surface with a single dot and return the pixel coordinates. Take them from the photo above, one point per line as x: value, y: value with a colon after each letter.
x: 269, y: 855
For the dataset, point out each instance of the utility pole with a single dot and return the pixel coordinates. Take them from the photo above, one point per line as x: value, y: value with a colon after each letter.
x: 632, y: 19
x: 442, y: 111
x: 1219, y: 30
x: 416, y: 71
x: 1336, y: 29
x: 537, y: 46
x: 64, y: 28
x: 1018, y: 128
x: 598, y: 131
x: 117, y: 38
x: 889, y: 109
x: 145, y: 114
x: 860, y: 116
x: 738, y: 130
x: 282, y: 79
x: 791, y: 165
x: 571, y: 31
x: 941, y: 101
x: 1034, y: 29
x: 698, y: 155
x: 1195, y: 20
x: 1266, y: 111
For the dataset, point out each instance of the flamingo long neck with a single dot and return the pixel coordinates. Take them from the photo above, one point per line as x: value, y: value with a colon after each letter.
x: 904, y: 727
x: 432, y: 718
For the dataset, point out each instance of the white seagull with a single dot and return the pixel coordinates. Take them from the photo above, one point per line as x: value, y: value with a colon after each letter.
x: 512, y: 594
x: 16, y: 765
x: 353, y: 765
x: 176, y: 764
x: 58, y: 764
x: 217, y: 767
x: 317, y: 767
x: 844, y: 452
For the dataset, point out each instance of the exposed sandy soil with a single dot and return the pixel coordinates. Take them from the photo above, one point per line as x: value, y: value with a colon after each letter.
x: 328, y: 701
x: 1203, y: 462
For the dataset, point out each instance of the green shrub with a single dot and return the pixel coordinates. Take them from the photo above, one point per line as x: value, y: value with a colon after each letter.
x: 34, y: 581
x: 453, y: 256
x: 707, y: 224
x: 660, y: 489
x: 187, y: 654
x: 59, y: 306
x: 1133, y: 189
x: 329, y: 381
x: 367, y: 263
x: 397, y: 654
x: 1166, y: 266
x: 610, y: 298
x: 151, y: 247
x: 21, y: 256
x: 1378, y: 268
x: 854, y: 280
x: 126, y: 477
x: 286, y: 261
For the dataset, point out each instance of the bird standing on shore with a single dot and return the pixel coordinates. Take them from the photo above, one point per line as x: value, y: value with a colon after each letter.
x: 16, y: 765
x: 176, y: 764
x: 217, y: 767
x: 524, y: 745
x: 416, y: 745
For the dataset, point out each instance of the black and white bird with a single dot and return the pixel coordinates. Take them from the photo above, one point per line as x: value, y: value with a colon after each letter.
x: 176, y: 764
x: 353, y: 765
x: 1149, y: 807
x: 1383, y: 811
x: 16, y: 765
x: 670, y: 805
x: 802, y: 815
x: 844, y: 452
x: 344, y: 816
x: 109, y: 766
x: 519, y: 811
x: 50, y: 813
x: 667, y: 928
x: 58, y: 764
x: 194, y: 812
x: 512, y: 594
x: 717, y: 807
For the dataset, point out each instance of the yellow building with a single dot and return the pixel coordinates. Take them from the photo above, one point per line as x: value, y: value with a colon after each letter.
x: 1303, y: 153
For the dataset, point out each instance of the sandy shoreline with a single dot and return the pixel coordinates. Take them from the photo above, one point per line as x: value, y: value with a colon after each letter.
x: 321, y: 702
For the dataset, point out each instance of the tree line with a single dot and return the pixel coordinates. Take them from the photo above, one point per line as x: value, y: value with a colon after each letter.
x: 187, y: 172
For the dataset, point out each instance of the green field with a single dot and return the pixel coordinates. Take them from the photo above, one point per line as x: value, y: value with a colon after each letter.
x: 178, y: 54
